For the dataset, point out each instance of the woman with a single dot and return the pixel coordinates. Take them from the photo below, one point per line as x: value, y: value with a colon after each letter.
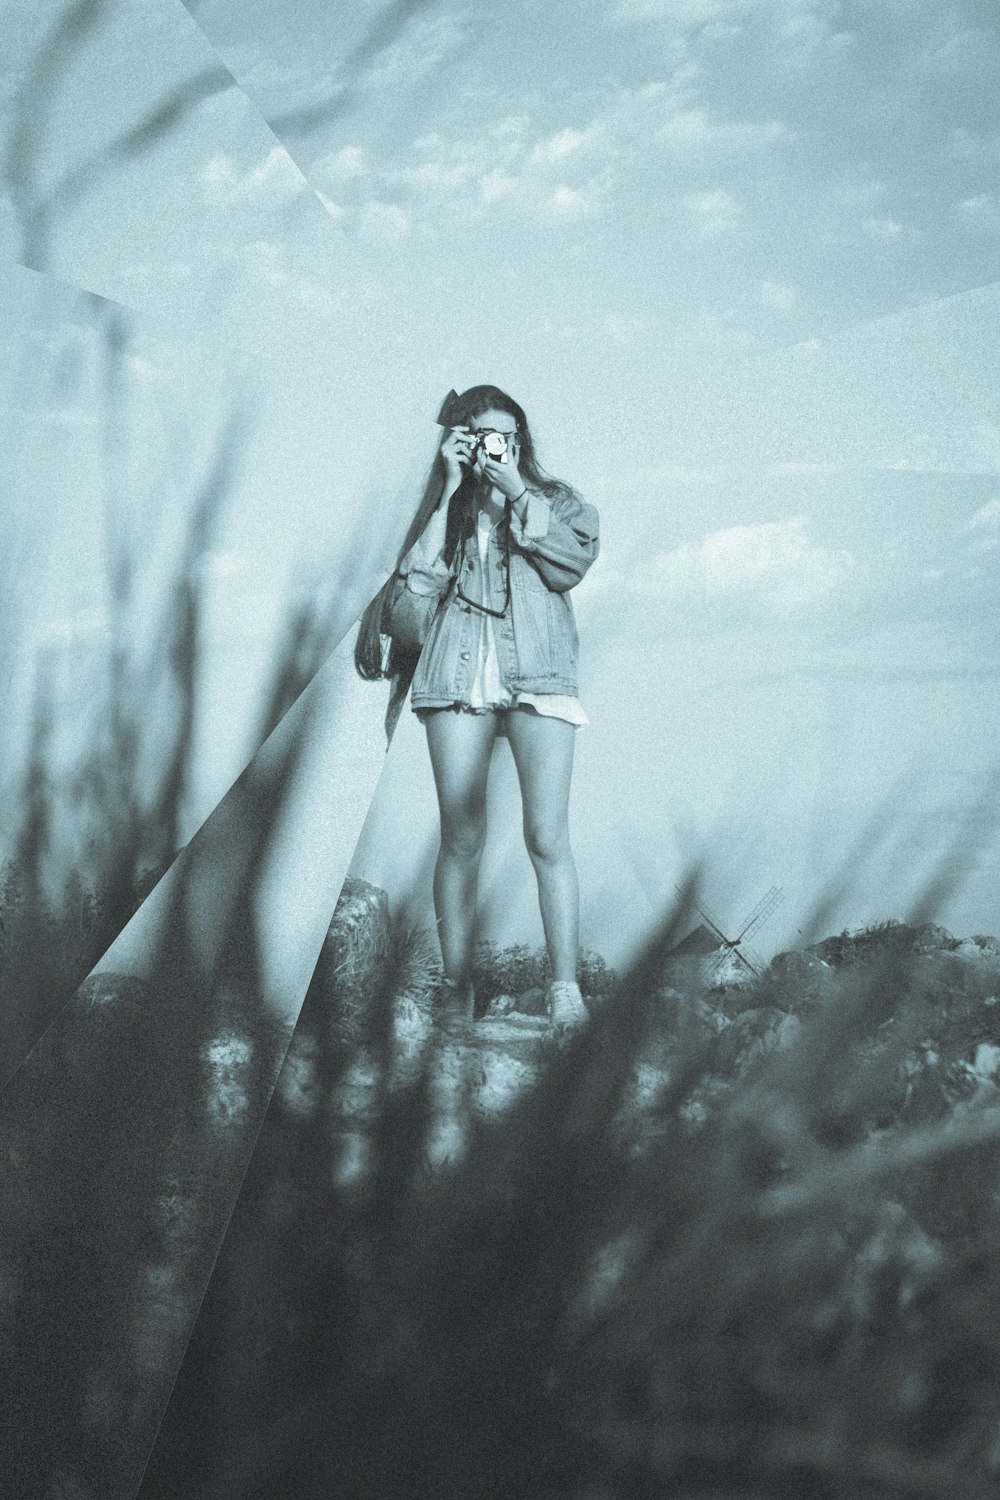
x: 482, y: 629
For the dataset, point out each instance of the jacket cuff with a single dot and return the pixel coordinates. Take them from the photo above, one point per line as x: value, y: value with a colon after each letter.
x: 536, y: 519
x: 423, y: 577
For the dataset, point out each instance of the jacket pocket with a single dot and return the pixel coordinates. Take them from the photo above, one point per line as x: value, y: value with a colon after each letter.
x: 532, y: 631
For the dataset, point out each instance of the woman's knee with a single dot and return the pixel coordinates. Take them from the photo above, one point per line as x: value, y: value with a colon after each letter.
x: 547, y: 843
x: 463, y: 838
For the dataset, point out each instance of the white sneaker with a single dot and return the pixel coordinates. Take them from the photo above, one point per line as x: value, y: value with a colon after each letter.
x: 565, y: 1005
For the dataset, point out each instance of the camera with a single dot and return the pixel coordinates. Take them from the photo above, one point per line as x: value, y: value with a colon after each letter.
x: 493, y: 444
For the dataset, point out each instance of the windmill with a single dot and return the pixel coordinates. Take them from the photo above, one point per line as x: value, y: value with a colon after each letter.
x: 734, y: 947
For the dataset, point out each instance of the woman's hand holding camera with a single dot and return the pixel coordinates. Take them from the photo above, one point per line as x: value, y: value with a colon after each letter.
x: 504, y: 475
x: 456, y: 450
x: 463, y: 447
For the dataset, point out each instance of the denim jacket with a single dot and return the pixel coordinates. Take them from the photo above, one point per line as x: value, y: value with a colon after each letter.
x: 536, y: 641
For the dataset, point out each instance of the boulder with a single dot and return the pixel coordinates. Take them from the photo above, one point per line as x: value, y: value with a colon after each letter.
x: 751, y: 1035
x: 352, y: 964
x: 532, y: 1002
x: 986, y: 1063
x: 683, y: 1011
x: 898, y: 1246
x: 930, y: 938
x: 980, y: 950
x: 796, y: 966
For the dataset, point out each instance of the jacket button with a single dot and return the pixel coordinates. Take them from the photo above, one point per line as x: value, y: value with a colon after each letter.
x: 464, y: 655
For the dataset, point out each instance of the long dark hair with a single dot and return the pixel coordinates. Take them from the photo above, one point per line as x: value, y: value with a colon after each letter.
x: 399, y: 665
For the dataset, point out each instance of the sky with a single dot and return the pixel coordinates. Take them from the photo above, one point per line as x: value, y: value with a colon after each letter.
x: 736, y: 258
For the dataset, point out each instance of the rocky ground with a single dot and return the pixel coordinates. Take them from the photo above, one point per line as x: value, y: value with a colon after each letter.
x: 876, y: 1041
x: 950, y: 1061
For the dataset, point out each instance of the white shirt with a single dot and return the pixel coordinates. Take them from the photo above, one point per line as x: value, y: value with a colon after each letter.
x: 488, y: 691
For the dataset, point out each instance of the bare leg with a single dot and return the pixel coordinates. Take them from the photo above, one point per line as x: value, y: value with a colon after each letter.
x: 460, y: 746
x: 543, y: 754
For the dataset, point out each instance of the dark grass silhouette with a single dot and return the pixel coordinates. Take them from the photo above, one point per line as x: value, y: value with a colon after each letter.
x: 596, y: 1298
x: 58, y: 918
x: 116, y: 1178
x: 600, y: 1297
x: 698, y: 1293
x: 604, y: 1299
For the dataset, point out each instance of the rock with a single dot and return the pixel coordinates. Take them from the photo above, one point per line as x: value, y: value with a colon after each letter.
x: 532, y: 1002
x: 795, y: 965
x: 681, y: 1011
x: 297, y: 1090
x: 986, y: 1063
x: 752, y: 1034
x: 980, y: 950
x: 502, y: 1078
x: 897, y: 1240
x: 500, y: 1006
x: 882, y: 939
x: 412, y: 1025
x: 352, y: 962
x: 929, y: 937
x: 926, y: 1096
x: 104, y: 1020
x: 788, y: 1031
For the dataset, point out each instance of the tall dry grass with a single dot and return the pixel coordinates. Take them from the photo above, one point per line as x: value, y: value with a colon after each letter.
x: 701, y: 1293
x: 107, y: 1139
x: 698, y: 1292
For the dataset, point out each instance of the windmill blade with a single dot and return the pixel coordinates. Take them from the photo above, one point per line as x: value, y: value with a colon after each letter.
x: 761, y: 911
x: 713, y: 924
x: 755, y: 956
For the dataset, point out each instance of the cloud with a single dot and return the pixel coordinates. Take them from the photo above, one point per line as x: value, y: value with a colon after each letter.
x: 688, y: 127
x: 986, y: 515
x: 212, y: 565
x: 277, y: 176
x: 882, y: 229
x: 569, y: 203
x: 981, y: 211
x: 716, y: 330
x: 436, y: 178
x: 796, y: 468
x: 267, y: 261
x: 333, y: 209
x: 497, y: 184
x: 500, y: 169
x: 774, y: 294
x: 773, y: 563
x: 858, y: 191
x: 795, y: 18
x: 714, y: 211
x: 556, y: 149
x: 428, y: 42
x: 344, y: 165
x: 678, y: 12
x: 80, y: 625
x: 383, y: 223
